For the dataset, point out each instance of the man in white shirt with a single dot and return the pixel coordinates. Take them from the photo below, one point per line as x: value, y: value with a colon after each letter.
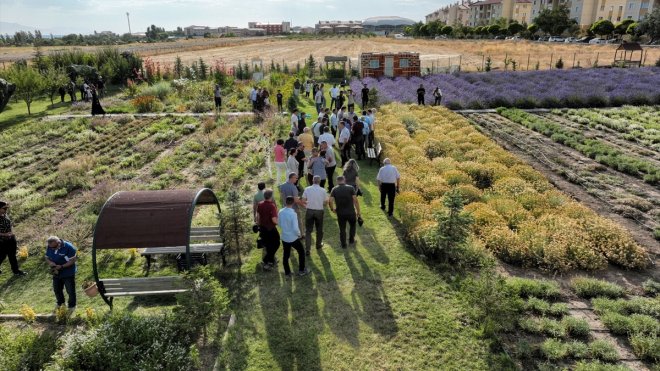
x: 316, y: 199
x: 331, y: 163
x: 388, y: 183
x: 294, y: 122
x: 318, y: 99
x: 327, y: 137
x: 344, y: 143
x: 334, y: 93
x: 253, y: 97
x: 334, y: 122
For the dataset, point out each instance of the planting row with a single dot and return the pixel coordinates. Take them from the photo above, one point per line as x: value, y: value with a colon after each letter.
x: 601, y: 151
x: 517, y: 214
x: 532, y: 89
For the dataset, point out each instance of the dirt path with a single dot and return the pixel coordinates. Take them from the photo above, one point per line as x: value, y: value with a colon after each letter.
x: 553, y: 159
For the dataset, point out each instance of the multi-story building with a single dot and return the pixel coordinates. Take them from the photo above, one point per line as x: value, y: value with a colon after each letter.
x: 200, y: 31
x: 488, y: 11
x: 452, y: 15
x: 339, y: 27
x: 272, y: 28
x: 586, y: 12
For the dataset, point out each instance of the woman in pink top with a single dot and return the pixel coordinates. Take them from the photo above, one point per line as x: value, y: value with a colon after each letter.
x: 280, y: 161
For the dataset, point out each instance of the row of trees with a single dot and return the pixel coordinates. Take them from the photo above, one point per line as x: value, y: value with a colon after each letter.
x: 36, y: 38
x: 549, y: 21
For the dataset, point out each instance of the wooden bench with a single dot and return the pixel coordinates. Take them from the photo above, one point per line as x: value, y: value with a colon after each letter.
x: 112, y: 287
x: 196, y: 250
x: 373, y: 153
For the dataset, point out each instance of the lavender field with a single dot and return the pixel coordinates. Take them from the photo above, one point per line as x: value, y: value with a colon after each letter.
x: 595, y: 87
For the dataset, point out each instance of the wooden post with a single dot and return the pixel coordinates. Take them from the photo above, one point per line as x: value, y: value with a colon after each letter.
x: 506, y: 58
x: 460, y: 62
x: 597, y: 55
x: 573, y: 60
x: 528, y: 62
x: 449, y: 70
x: 646, y: 52
x: 551, y: 56
x: 483, y: 59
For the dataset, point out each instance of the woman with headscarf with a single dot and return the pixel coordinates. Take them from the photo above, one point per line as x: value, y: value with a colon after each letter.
x: 96, y: 104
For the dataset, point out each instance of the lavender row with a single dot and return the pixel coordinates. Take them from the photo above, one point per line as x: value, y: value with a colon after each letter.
x: 595, y: 87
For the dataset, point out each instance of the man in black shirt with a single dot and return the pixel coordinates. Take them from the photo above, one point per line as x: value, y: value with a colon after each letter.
x: 300, y: 157
x: 365, y: 97
x: 8, y: 245
x: 420, y: 95
x: 290, y: 143
x: 280, y: 107
x: 348, y: 209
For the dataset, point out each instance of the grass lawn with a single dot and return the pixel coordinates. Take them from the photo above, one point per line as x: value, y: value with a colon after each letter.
x: 371, y: 306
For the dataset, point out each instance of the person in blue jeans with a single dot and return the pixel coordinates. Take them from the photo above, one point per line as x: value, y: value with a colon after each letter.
x: 61, y: 258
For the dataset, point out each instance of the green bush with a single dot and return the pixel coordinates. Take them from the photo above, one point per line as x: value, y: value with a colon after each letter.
x: 125, y: 341
x: 617, y: 323
x: 646, y: 347
x: 554, y: 349
x: 603, y: 350
x: 598, y: 366
x: 526, y: 287
x: 574, y: 327
x: 650, y: 286
x: 588, y: 288
x: 159, y: 90
x: 25, y: 349
x: 542, y: 307
x: 648, y: 306
x: 494, y: 304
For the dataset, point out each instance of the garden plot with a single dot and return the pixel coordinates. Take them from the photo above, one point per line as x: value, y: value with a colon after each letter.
x: 627, y: 199
x: 71, y: 174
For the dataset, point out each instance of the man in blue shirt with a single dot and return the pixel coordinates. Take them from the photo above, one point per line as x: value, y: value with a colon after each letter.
x: 61, y: 257
x: 288, y: 220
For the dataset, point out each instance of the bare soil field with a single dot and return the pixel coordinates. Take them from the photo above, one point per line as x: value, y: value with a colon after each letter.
x: 435, y: 54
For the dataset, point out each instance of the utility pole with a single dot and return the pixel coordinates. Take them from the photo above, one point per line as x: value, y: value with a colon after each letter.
x: 129, y: 23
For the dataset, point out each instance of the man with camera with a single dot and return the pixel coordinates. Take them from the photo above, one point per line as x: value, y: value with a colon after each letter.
x: 61, y: 258
x: 348, y: 209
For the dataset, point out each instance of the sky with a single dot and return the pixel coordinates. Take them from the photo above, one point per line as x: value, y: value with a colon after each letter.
x: 87, y: 16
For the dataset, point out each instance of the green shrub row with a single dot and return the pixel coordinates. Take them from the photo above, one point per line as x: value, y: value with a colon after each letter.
x: 588, y: 288
x: 556, y: 350
x: 636, y: 305
x: 567, y: 327
x: 593, y: 148
x: 526, y: 288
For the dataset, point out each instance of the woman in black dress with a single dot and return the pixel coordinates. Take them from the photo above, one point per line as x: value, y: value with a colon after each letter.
x: 96, y: 104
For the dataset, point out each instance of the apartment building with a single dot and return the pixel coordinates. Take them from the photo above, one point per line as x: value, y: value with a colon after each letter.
x: 488, y: 11
x: 452, y: 15
x: 272, y: 28
x: 586, y: 12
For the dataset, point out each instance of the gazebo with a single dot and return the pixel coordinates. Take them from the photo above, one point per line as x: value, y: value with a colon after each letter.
x: 157, y: 222
x: 623, y: 57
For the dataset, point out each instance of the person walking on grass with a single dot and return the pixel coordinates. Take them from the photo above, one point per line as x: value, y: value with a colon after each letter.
x: 315, y: 198
x: 8, y: 245
x: 316, y: 167
x: 308, y: 88
x: 437, y: 96
x: 291, y: 162
x: 365, y: 97
x: 258, y: 197
x: 330, y: 163
x: 291, y: 142
x: 357, y: 137
x: 327, y: 137
x: 96, y: 103
x: 217, y: 98
x: 334, y: 94
x: 301, y: 157
x: 334, y: 122
x: 420, y: 95
x: 294, y: 122
x: 318, y: 100
x: 280, y: 160
x: 267, y: 222
x: 280, y: 98
x: 290, y: 189
x: 351, y: 101
x: 61, y: 258
x: 388, y: 183
x: 308, y: 141
x: 296, y: 87
x: 351, y: 174
x: 348, y: 209
x: 288, y: 219
x: 344, y: 142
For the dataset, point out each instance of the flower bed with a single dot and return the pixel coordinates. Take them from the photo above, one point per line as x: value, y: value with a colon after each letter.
x: 518, y: 214
x: 548, y: 89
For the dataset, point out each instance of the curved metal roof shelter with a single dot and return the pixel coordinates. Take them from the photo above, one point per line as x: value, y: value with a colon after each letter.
x: 148, y: 218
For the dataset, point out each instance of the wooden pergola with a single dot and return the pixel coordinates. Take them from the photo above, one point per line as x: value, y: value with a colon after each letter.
x: 625, y: 55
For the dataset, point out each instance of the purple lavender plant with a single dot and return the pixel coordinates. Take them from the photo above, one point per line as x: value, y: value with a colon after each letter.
x: 594, y: 87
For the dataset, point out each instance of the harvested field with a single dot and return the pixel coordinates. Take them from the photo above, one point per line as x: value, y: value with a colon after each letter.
x: 435, y: 54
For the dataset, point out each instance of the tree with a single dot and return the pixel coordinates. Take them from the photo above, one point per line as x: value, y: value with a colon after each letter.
x: 446, y: 30
x: 453, y: 226
x: 155, y: 33
x: 29, y: 83
x: 494, y: 29
x: 554, y: 21
x: 533, y: 28
x: 54, y: 79
x: 602, y: 27
x: 515, y: 28
x: 311, y: 65
x: 650, y: 26
x: 621, y: 28
x: 178, y: 67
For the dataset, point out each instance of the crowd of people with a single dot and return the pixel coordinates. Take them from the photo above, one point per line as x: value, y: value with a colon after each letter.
x: 60, y: 257
x: 309, y: 155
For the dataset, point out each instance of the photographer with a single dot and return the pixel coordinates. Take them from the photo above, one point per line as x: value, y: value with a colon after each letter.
x: 8, y: 240
x: 61, y: 258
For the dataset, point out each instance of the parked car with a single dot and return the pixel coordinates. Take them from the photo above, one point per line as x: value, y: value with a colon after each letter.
x: 597, y: 41
x: 499, y: 37
x: 543, y: 38
x: 570, y: 40
x: 585, y: 39
x: 556, y: 39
